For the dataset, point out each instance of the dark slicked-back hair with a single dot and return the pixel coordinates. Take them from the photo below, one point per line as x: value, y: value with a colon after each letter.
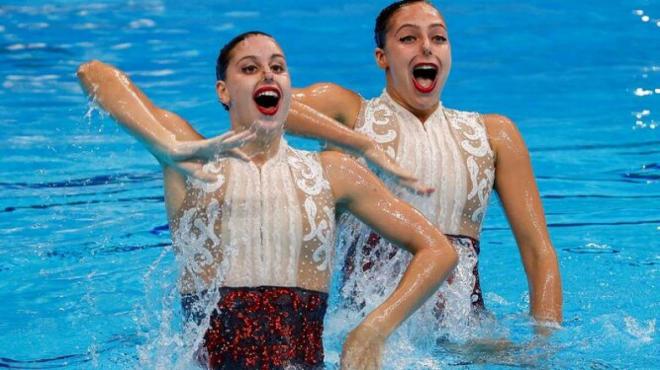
x: 383, y: 19
x: 225, y: 53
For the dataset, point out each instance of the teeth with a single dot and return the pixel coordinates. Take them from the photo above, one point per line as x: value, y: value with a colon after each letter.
x: 426, y: 67
x: 268, y: 93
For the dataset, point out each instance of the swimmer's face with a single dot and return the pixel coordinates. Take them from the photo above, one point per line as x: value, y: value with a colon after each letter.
x: 257, y: 87
x: 416, y: 57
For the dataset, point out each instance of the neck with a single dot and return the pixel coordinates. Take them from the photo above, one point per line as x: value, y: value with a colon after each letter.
x: 421, y: 114
x: 263, y: 148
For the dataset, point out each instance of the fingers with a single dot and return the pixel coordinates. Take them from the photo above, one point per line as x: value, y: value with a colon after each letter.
x: 240, y: 154
x: 211, y: 148
x: 225, y: 135
x: 417, y: 187
x: 378, y: 157
x: 232, y: 140
x: 242, y: 137
x: 399, y: 172
x: 196, y: 170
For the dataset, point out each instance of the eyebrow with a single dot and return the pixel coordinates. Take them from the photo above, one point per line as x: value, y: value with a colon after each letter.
x: 416, y: 26
x: 255, y: 57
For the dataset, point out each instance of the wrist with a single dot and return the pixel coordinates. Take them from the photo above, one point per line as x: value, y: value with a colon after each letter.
x: 376, y: 328
x: 363, y: 143
x: 178, y: 150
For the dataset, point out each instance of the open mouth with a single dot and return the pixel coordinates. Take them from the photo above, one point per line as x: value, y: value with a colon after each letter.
x: 424, y: 77
x: 267, y: 99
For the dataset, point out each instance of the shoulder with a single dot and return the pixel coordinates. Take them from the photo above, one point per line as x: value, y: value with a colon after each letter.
x: 503, y: 134
x: 332, y: 100
x: 346, y: 175
x: 327, y: 89
x: 496, y: 123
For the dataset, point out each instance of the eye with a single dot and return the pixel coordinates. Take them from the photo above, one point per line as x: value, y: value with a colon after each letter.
x: 408, y: 39
x: 249, y: 69
x: 439, y: 39
x: 277, y: 68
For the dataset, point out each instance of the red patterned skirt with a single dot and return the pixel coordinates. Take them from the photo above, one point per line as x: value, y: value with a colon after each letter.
x: 263, y: 328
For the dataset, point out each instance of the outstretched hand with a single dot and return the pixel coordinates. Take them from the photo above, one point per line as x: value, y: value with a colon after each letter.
x: 189, y: 157
x: 375, y: 154
x: 207, y: 149
x: 363, y: 349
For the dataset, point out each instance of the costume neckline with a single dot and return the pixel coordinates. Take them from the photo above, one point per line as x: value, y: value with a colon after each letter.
x: 279, y: 156
x: 408, y: 114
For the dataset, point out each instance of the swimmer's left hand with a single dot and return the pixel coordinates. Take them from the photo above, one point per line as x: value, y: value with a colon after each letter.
x: 363, y: 349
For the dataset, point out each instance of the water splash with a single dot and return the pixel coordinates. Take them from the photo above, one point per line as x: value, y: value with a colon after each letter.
x: 643, y: 332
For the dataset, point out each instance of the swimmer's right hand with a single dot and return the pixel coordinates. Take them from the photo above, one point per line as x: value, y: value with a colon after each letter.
x: 208, y: 149
x: 189, y: 157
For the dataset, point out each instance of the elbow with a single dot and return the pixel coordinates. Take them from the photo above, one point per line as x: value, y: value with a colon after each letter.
x: 451, y: 255
x: 87, y: 68
x: 91, y: 71
x: 445, y: 254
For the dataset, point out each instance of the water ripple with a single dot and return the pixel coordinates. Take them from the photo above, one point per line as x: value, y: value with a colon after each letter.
x: 89, y: 181
x: 155, y: 199
x: 592, y: 248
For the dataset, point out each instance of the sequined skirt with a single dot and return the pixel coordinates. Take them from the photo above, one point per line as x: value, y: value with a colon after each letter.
x: 263, y: 328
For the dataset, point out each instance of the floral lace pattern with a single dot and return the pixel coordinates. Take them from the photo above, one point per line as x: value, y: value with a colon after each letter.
x: 311, y: 182
x: 475, y: 143
x: 259, y: 226
x: 449, y: 142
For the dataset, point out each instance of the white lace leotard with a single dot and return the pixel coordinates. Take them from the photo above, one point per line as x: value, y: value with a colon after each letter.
x: 268, y: 226
x: 449, y: 152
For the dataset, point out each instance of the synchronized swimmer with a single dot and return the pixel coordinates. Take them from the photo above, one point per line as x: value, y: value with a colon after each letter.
x: 462, y: 155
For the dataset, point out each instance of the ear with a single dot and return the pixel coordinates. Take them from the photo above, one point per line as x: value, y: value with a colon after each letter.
x: 381, y: 58
x: 222, y: 92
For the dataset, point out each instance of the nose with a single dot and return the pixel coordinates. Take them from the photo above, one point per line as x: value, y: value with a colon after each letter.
x: 426, y: 47
x: 268, y: 75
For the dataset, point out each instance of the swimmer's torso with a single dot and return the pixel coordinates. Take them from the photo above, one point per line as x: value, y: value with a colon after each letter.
x: 449, y: 152
x: 268, y: 226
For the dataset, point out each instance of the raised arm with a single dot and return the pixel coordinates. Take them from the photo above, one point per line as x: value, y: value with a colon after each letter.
x: 516, y: 186
x: 340, y: 104
x: 365, y: 196
x: 329, y: 112
x: 167, y: 136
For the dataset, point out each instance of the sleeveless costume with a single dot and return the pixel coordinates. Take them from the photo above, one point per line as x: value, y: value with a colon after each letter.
x: 450, y: 153
x: 255, y: 250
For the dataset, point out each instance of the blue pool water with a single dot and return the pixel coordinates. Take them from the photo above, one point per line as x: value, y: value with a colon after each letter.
x: 86, y: 267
